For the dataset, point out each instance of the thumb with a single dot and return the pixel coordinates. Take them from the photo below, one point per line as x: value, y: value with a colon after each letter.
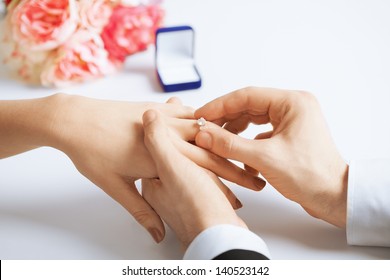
x: 228, y: 145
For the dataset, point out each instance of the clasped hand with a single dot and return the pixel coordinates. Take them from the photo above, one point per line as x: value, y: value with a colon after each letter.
x: 105, y: 141
x: 115, y: 143
x: 297, y: 157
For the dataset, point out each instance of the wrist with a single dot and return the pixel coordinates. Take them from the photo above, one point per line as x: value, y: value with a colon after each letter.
x: 28, y: 124
x: 330, y: 204
x: 57, y: 108
x: 194, y: 228
x: 337, y: 214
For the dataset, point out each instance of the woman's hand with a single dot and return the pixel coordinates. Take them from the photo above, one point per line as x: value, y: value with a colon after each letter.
x: 105, y: 141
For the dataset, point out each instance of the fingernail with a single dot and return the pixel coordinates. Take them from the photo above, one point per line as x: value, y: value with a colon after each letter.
x: 238, y: 204
x: 204, y: 140
x: 259, y: 183
x: 156, y: 234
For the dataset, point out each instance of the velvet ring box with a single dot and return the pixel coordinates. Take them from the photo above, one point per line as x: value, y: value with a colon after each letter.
x: 175, y: 63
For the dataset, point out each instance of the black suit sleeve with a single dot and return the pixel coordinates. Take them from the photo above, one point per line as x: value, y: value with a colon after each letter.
x: 238, y: 254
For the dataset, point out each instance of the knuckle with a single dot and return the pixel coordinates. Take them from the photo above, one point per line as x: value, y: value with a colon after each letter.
x: 174, y: 99
x: 142, y: 216
x: 307, y: 96
x: 249, y: 89
x: 244, y: 92
x: 302, y: 99
x: 228, y: 146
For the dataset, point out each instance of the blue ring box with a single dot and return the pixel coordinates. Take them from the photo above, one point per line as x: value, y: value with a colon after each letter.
x: 175, y: 63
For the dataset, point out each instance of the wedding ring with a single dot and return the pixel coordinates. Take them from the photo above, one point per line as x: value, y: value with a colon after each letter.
x: 201, y: 122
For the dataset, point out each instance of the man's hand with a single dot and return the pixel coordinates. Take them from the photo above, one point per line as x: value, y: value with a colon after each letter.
x: 189, y: 198
x: 298, y: 157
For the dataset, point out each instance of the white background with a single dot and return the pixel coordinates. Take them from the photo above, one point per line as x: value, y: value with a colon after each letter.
x: 339, y: 50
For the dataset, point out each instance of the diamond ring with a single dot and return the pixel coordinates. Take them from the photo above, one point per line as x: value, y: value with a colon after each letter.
x: 201, y: 122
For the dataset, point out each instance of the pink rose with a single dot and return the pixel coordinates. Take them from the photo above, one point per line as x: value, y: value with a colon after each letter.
x: 131, y: 2
x: 82, y: 58
x: 94, y: 14
x: 21, y: 63
x: 43, y: 24
x: 130, y: 30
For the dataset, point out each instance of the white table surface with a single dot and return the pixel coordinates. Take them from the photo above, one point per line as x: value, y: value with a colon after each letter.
x: 339, y: 50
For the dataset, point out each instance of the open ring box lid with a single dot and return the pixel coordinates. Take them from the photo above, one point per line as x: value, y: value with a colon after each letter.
x: 175, y: 62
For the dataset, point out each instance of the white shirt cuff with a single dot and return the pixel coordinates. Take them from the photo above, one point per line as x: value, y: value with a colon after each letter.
x: 368, y: 204
x: 216, y: 240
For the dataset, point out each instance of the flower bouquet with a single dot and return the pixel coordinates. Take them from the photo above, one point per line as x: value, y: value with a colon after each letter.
x: 59, y: 42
